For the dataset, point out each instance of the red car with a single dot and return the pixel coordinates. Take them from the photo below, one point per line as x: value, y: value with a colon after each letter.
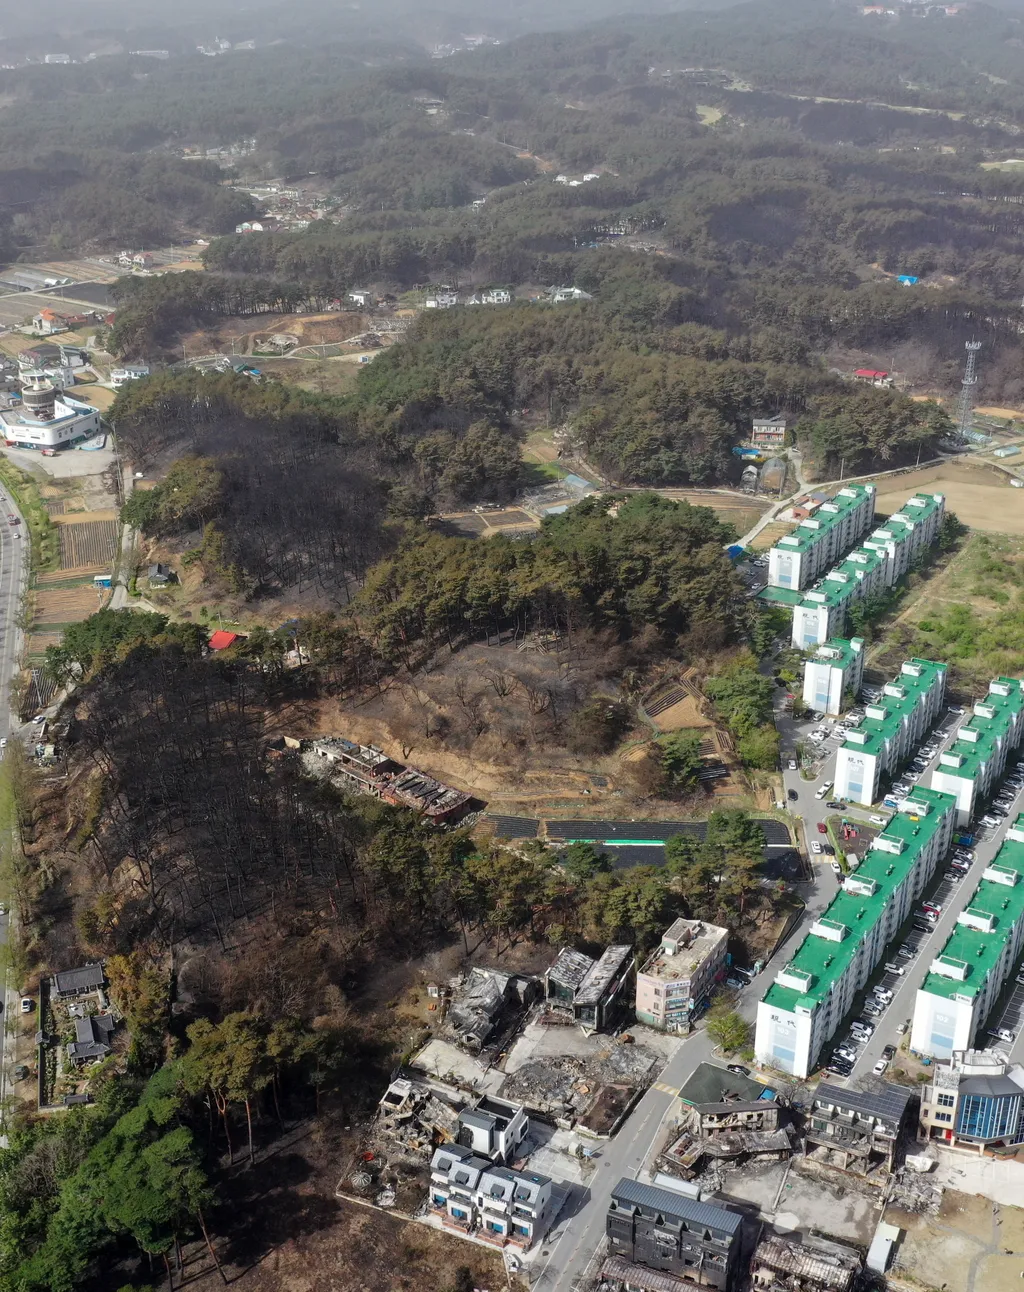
x: 822, y: 828
x: 12, y: 520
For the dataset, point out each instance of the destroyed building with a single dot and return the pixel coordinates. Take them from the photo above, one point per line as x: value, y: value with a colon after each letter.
x: 729, y: 1132
x: 782, y: 1265
x: 413, y: 1117
x: 487, y: 998
x: 666, y: 1230
x: 857, y: 1130
x: 593, y: 993
x: 365, y: 769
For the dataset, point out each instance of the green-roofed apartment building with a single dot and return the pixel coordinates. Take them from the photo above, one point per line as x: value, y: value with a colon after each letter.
x: 974, y: 762
x: 814, y: 992
x: 834, y: 672
x: 880, y: 560
x: 966, y: 978
x: 890, y: 730
x: 797, y: 559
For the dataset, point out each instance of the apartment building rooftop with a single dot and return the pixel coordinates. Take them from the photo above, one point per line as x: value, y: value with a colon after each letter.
x: 882, y: 720
x: 781, y: 596
x: 694, y: 941
x: 838, y: 652
x: 842, y: 581
x: 973, y: 948
x: 830, y: 946
x: 810, y: 532
x: 980, y: 734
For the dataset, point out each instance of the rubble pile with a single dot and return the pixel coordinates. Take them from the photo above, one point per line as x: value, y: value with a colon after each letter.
x: 568, y: 1085
x: 912, y: 1191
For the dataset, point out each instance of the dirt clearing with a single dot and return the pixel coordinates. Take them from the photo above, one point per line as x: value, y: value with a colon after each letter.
x: 981, y: 496
x: 770, y: 535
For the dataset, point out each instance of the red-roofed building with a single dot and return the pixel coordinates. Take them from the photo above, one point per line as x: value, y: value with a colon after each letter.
x: 221, y: 639
x: 873, y: 376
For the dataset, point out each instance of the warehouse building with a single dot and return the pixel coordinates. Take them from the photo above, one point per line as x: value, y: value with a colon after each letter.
x: 815, y: 991
x: 834, y: 675
x: 797, y: 559
x: 975, y: 761
x: 966, y: 978
x: 891, y: 728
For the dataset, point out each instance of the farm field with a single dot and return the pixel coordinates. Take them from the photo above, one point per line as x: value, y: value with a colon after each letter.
x: 771, y: 534
x: 981, y: 496
x: 86, y: 542
x: 66, y: 605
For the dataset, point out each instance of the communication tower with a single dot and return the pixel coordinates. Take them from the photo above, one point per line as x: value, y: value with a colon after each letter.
x: 965, y: 404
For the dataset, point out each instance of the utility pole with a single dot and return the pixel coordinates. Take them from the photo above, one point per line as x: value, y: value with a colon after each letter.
x: 965, y: 404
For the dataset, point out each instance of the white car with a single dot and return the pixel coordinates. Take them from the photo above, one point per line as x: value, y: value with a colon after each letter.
x: 837, y: 869
x: 815, y: 847
x: 880, y: 1067
x: 792, y: 764
x: 877, y: 820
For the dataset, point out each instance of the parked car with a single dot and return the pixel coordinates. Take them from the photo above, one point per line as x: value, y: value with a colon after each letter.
x: 734, y: 983
x: 822, y: 828
x: 818, y: 717
x: 906, y: 952
x: 866, y: 1029
x: 889, y: 1052
x: 835, y: 805
x: 27, y: 1004
x: 792, y: 764
x: 1020, y: 977
x: 738, y: 1068
x: 903, y: 1028
x: 792, y: 795
x: 877, y: 820
x: 883, y: 993
x: 880, y: 1067
x: 840, y: 1068
x: 837, y: 869
x: 1004, y: 1034
x: 816, y: 847
x: 828, y: 850
x: 955, y: 708
x: 892, y: 967
x: 932, y: 906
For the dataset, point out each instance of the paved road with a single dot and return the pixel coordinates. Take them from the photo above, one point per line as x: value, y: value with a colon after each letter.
x: 14, y: 557
x: 576, y: 1240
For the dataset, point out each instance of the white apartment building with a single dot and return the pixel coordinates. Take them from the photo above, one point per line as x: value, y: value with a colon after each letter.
x: 975, y: 761
x: 965, y: 980
x: 814, y: 992
x: 797, y: 559
x: 835, y: 671
x: 877, y: 564
x: 498, y: 1203
x: 890, y: 730
x: 680, y: 974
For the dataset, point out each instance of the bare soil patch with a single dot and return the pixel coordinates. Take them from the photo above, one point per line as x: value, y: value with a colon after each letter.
x: 771, y: 534
x: 687, y: 713
x: 980, y: 495
x: 65, y: 605
x: 85, y: 544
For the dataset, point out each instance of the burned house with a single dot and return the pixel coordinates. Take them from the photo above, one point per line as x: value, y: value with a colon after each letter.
x: 487, y: 998
x: 857, y: 1130
x: 782, y: 1265
x: 414, y: 1117
x: 731, y: 1131
x: 368, y: 770
x: 593, y: 992
x: 665, y: 1230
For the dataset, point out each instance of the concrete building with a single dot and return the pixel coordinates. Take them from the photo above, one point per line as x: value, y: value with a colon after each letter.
x: 129, y: 372
x: 46, y: 421
x: 890, y: 730
x: 822, y: 611
x: 680, y: 974
x: 974, y: 1101
x: 797, y: 559
x: 966, y: 978
x: 665, y: 1230
x: 770, y: 431
x: 834, y: 674
x: 814, y: 992
x: 877, y: 564
x: 493, y: 1128
x: 974, y: 762
x: 496, y: 1203
x: 604, y: 992
x: 857, y: 1130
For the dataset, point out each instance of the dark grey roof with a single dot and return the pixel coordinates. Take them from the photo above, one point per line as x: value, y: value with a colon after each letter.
x: 601, y: 975
x: 482, y: 1121
x: 676, y: 1204
x: 571, y: 967
x: 88, y: 976
x: 709, y: 1083
x: 990, y: 1086
x: 889, y: 1102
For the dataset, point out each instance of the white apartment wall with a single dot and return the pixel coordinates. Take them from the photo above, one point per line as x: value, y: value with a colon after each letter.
x: 824, y: 685
x: 785, y: 568
x: 812, y: 626
x: 963, y: 789
x: 855, y: 768
x: 942, y: 1025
